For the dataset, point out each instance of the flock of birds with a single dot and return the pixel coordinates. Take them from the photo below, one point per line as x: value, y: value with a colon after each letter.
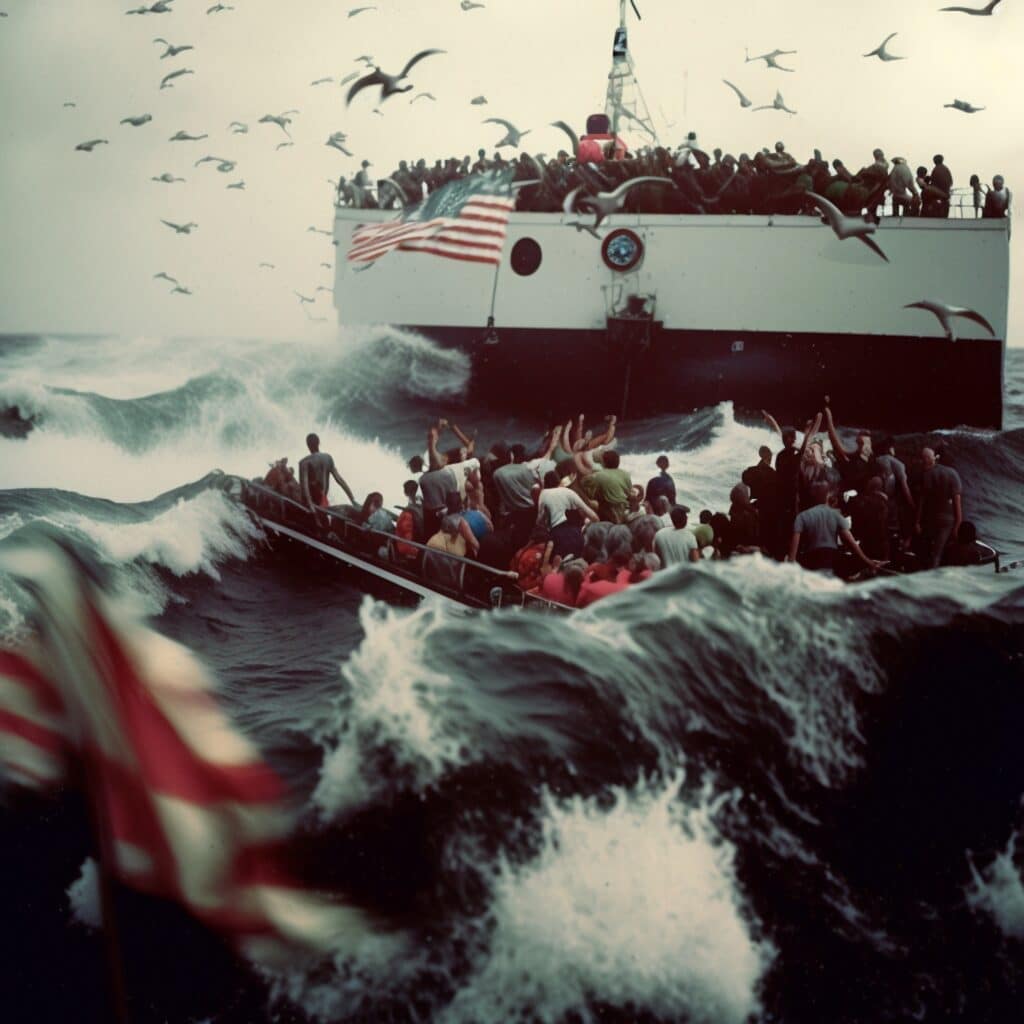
x: 580, y: 201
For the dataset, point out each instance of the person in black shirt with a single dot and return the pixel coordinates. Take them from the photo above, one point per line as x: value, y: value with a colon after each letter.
x: 763, y: 483
x: 942, y: 179
x: 661, y: 485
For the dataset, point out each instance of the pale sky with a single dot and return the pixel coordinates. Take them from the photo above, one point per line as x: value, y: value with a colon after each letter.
x: 81, y: 232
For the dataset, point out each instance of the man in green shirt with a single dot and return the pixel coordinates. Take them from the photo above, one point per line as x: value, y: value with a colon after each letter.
x: 610, y: 487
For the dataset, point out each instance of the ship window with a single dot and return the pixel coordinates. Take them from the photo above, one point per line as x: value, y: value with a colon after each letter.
x: 526, y: 257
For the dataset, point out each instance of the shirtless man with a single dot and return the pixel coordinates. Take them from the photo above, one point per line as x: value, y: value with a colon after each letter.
x: 314, y: 471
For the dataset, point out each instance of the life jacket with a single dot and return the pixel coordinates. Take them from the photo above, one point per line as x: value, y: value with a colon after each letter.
x: 592, y: 145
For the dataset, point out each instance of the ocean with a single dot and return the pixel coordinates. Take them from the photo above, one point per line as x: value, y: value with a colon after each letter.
x: 739, y: 793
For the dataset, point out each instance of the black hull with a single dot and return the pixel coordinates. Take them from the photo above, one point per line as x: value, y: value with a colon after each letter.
x: 896, y: 383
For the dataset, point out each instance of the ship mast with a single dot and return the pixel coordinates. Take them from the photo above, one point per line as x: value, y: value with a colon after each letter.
x: 624, y: 103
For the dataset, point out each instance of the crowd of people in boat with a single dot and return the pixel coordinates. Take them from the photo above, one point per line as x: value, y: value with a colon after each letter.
x: 567, y: 523
x: 769, y: 182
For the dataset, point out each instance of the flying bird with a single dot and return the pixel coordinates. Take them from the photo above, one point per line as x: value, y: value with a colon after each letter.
x: 327, y: 266
x: 964, y: 106
x: 944, y: 313
x: 478, y: 101
x: 87, y: 147
x: 770, y: 59
x: 882, y: 53
x: 167, y: 178
x: 70, y: 104
x: 166, y: 277
x: 281, y: 120
x: 304, y: 298
x: 422, y: 96
x: 319, y: 231
x: 604, y: 204
x: 160, y: 7
x: 321, y: 81
x: 165, y: 82
x: 284, y: 145
x: 777, y: 104
x: 468, y: 5
x: 846, y: 227
x: 985, y: 11
x: 268, y: 266
x: 323, y: 288
x: 388, y: 83
x: 744, y: 102
x: 337, y: 141
x: 366, y: 59
x: 573, y: 137
x: 240, y: 185
x: 180, y: 229
x: 348, y: 78
x: 377, y: 110
x: 172, y: 50
x: 180, y: 290
x: 238, y: 128
x: 359, y: 10
x: 512, y: 133
x: 217, y: 8
x: 224, y: 165
x: 137, y: 121
x: 183, y: 136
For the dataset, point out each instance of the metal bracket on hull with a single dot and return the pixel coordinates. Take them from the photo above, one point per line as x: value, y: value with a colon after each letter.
x: 630, y: 332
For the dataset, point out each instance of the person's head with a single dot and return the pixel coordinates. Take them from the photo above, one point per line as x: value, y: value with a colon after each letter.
x: 662, y: 463
x: 551, y: 479
x: 878, y: 154
x: 780, y: 147
x: 619, y: 545
x: 764, y: 453
x: 573, y: 571
x: 518, y: 452
x: 938, y: 159
x: 662, y: 506
x: 594, y: 542
x: 740, y: 495
x: 967, y: 534
x: 644, y: 530
x: 721, y: 526
x: 610, y: 459
x: 410, y: 487
x: 313, y: 442
x: 635, y: 498
x: 679, y: 517
x: 453, y: 502
x: 374, y: 501
x: 997, y: 182
x: 864, y: 443
x: 416, y: 464
x: 450, y: 525
x: 975, y: 181
x: 922, y: 172
x: 706, y: 515
x: 481, y: 154
x: 819, y: 493
x: 456, y: 454
x: 788, y: 437
x: 928, y: 457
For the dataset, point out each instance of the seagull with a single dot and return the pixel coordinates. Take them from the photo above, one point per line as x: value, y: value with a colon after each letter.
x: 268, y: 266
x: 359, y: 10
x: 323, y: 288
x: 238, y: 128
x: 963, y: 105
x: 320, y: 81
x: 172, y: 50
x: 366, y: 59
x: 180, y: 290
x: 70, y: 104
x: 573, y: 137
x: 944, y: 313
x: 87, y: 147
x: 183, y: 136
x: 985, y: 11
x: 348, y: 78
x: 769, y: 58
x: 217, y: 8
x: 283, y: 145
x: 881, y: 52
x: 281, y: 120
x: 160, y: 7
x: 846, y: 227
x: 166, y: 80
x: 166, y: 277
x: 421, y: 96
x: 468, y: 5
x: 604, y: 204
x: 744, y: 102
x: 319, y: 231
x: 180, y: 229
x: 512, y: 134
x: 388, y: 83
x: 336, y: 141
x: 167, y: 178
x: 377, y: 110
x: 777, y: 104
x: 304, y: 298
x: 327, y: 266
x: 478, y: 101
x: 136, y: 122
x: 240, y: 185
x: 224, y: 165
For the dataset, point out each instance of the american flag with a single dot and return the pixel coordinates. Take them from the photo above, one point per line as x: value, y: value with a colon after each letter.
x: 466, y: 219
x: 186, y: 807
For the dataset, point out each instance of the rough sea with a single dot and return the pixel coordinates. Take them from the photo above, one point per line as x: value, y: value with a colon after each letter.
x: 740, y: 793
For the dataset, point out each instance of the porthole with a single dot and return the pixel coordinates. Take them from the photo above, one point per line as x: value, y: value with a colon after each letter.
x: 526, y: 257
x: 622, y: 250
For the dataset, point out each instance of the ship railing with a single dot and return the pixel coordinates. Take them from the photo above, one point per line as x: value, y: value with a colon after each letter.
x: 462, y: 579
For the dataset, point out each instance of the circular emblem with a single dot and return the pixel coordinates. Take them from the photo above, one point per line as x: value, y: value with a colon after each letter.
x: 622, y: 250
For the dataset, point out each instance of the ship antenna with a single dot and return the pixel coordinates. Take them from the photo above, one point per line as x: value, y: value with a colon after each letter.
x: 624, y: 102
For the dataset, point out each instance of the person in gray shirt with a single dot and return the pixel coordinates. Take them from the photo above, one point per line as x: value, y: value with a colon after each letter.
x: 819, y: 528
x: 314, y: 473
x: 940, y: 510
x: 894, y: 483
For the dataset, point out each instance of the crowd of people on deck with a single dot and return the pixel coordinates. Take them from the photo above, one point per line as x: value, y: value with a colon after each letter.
x: 567, y: 523
x: 769, y: 182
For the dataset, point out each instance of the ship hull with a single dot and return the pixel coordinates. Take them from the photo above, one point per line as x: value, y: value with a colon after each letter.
x: 768, y: 313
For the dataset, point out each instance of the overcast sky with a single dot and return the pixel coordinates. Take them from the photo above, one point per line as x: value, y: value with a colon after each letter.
x: 81, y: 232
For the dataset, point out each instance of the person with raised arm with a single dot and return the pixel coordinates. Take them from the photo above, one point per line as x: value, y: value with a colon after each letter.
x: 856, y: 465
x: 315, y: 471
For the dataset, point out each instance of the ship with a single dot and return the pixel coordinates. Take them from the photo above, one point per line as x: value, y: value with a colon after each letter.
x: 660, y: 313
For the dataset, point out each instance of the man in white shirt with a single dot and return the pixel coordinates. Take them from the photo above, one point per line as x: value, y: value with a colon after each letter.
x: 675, y: 544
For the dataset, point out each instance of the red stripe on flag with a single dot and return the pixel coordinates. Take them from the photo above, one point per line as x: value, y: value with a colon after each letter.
x: 21, y: 670
x: 38, y: 735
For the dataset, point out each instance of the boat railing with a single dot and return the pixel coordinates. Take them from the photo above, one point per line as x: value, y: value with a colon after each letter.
x: 451, y: 575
